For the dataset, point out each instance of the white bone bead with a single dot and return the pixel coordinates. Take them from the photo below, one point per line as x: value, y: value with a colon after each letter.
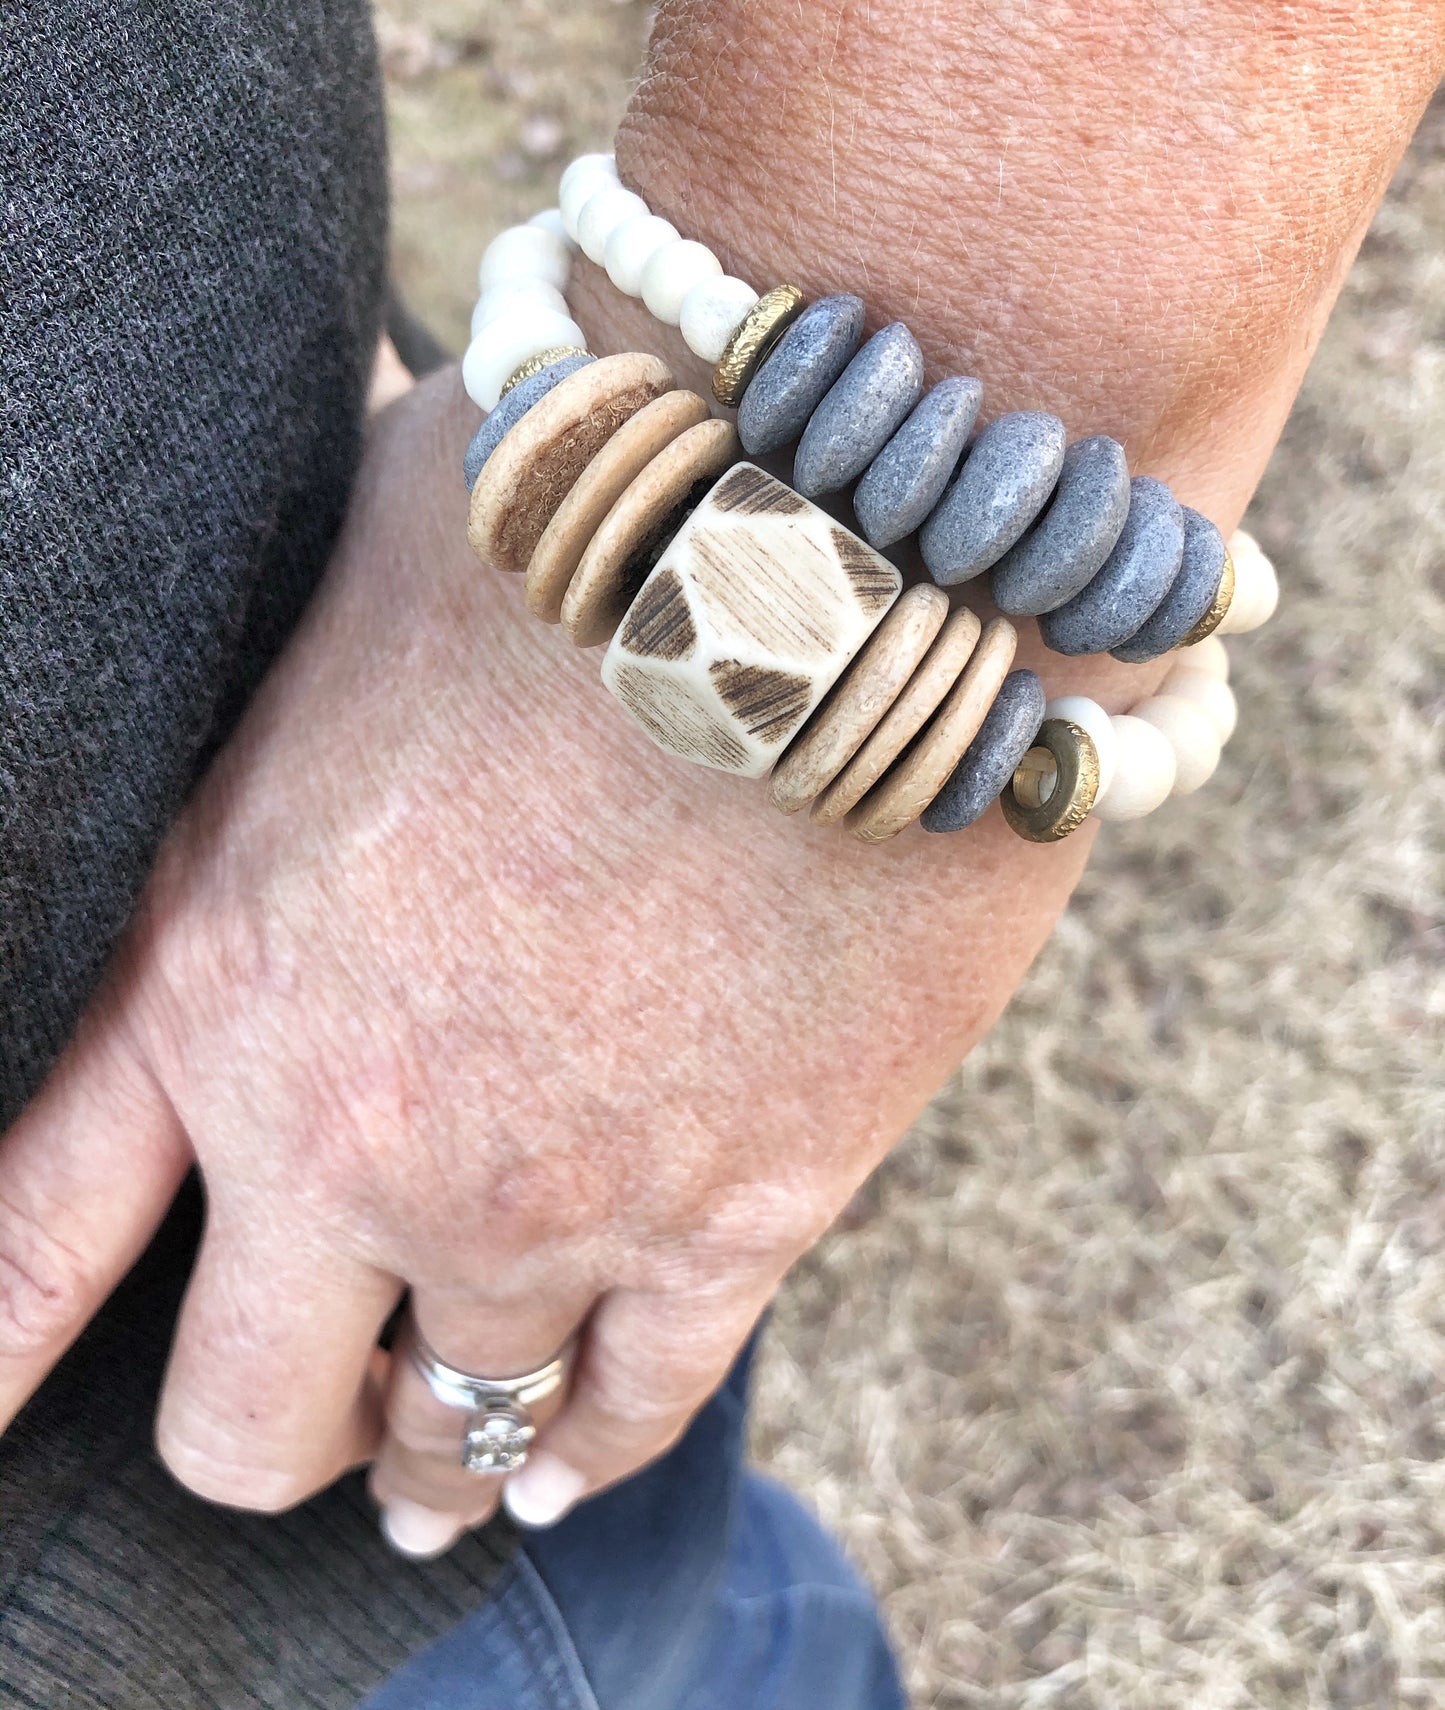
x: 587, y: 165
x: 1091, y: 717
x: 498, y: 350
x: 747, y: 620
x: 515, y: 296
x: 1215, y: 697
x: 1209, y: 655
x: 711, y: 312
x: 526, y: 252
x: 601, y: 215
x: 672, y: 273
x: 1256, y: 587
x: 632, y: 245
x: 1191, y: 735
x: 575, y: 195
x: 1145, y: 773
x: 550, y: 220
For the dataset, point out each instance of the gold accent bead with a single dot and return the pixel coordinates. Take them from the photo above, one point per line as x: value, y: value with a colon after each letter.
x: 535, y: 364
x: 1068, y: 750
x: 752, y: 341
x: 1218, y: 609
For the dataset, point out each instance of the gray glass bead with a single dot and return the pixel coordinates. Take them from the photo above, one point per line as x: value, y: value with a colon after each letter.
x: 1134, y: 579
x: 1190, y: 596
x: 795, y: 379
x: 510, y: 410
x: 906, y: 479
x: 1064, y: 550
x: 864, y: 407
x: 1005, y: 482
x: 1005, y: 736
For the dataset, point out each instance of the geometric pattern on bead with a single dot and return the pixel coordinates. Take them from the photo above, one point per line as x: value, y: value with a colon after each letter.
x: 749, y: 617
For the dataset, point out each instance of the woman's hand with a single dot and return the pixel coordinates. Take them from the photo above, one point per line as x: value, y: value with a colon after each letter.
x: 450, y: 980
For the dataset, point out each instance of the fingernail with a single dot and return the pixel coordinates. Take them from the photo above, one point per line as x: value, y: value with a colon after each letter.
x: 543, y: 1491
x: 416, y: 1532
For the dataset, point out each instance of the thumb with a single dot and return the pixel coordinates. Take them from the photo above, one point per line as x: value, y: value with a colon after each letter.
x: 86, y: 1175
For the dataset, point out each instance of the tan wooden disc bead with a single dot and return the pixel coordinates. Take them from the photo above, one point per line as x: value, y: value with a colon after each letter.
x: 618, y: 558
x: 533, y: 469
x: 927, y: 766
x: 861, y: 697
x: 903, y: 720
x: 600, y: 485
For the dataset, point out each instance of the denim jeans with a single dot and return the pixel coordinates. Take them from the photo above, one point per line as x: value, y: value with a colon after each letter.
x: 698, y: 1585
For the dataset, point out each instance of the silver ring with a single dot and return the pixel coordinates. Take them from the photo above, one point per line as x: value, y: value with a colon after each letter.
x: 500, y: 1428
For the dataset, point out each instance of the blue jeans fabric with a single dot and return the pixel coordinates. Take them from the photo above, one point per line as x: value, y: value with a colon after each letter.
x: 698, y: 1585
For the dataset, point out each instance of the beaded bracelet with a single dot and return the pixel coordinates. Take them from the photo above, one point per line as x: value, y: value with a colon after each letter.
x: 743, y: 621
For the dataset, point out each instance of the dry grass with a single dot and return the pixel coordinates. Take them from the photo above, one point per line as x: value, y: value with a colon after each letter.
x: 1123, y: 1381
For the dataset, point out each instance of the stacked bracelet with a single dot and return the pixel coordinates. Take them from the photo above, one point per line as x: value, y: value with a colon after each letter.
x: 748, y: 630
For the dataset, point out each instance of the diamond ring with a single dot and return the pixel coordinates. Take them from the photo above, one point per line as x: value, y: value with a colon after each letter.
x: 500, y: 1428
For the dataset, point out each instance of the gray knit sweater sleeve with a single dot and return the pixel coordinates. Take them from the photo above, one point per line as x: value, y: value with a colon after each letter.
x: 190, y: 289
x: 190, y: 286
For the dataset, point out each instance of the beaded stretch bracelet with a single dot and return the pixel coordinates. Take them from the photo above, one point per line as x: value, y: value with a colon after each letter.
x: 734, y: 606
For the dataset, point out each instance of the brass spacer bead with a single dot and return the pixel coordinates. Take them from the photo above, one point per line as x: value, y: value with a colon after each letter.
x: 1076, y: 784
x: 535, y: 364
x: 752, y: 341
x: 1218, y: 608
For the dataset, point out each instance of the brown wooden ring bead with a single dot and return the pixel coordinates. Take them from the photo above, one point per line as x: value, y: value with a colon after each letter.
x: 638, y: 527
x: 909, y: 788
x: 1218, y: 608
x: 1071, y: 797
x: 600, y: 485
x: 861, y: 697
x: 535, y: 364
x: 913, y: 708
x: 534, y: 468
x: 752, y: 341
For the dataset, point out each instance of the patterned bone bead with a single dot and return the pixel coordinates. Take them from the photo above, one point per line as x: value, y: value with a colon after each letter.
x: 748, y: 619
x: 860, y: 698
x: 532, y: 470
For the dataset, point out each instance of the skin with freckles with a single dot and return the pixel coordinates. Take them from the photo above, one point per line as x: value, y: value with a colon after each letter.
x: 450, y: 980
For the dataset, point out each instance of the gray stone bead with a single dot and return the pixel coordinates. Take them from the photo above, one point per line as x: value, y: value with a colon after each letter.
x: 1005, y: 482
x: 1134, y: 579
x: 864, y: 406
x: 511, y: 409
x: 1064, y: 550
x: 1190, y: 595
x: 795, y: 379
x: 990, y: 760
x: 906, y: 479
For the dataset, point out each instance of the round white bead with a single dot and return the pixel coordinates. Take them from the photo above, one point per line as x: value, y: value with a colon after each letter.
x: 550, y: 220
x: 672, y: 273
x: 1090, y: 716
x: 1191, y: 735
x: 514, y: 296
x: 1145, y: 773
x: 500, y: 349
x: 601, y: 215
x: 526, y: 252
x: 589, y: 164
x: 1256, y: 587
x: 632, y: 245
x: 1216, y: 698
x: 1209, y: 655
x: 572, y: 199
x: 710, y: 314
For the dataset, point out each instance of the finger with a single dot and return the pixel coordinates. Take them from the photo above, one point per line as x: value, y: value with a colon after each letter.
x: 645, y: 1367
x: 86, y: 1175
x: 270, y: 1394
x: 428, y: 1496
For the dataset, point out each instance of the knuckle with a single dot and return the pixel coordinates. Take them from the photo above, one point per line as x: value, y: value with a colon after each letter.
x: 45, y: 1286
